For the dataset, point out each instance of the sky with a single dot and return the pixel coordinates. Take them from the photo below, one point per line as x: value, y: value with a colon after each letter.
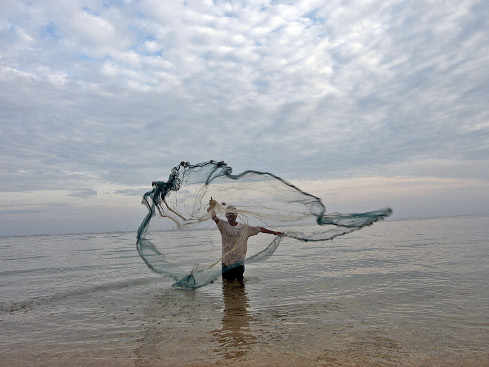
x: 367, y: 104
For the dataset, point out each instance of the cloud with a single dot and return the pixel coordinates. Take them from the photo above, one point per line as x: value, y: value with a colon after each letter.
x: 116, y: 93
x: 19, y: 211
x: 83, y: 193
x: 132, y: 192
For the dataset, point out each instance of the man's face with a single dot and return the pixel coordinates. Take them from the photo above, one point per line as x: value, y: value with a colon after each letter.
x: 231, y: 217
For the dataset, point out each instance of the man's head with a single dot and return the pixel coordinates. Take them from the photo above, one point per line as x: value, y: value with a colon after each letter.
x: 231, y: 214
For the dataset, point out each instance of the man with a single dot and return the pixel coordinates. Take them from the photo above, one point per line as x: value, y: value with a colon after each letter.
x: 234, y: 238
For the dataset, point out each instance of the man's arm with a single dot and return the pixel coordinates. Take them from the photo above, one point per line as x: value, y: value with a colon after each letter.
x: 264, y: 230
x: 214, y: 216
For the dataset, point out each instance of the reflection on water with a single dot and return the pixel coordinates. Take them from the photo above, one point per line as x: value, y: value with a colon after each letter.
x: 234, y: 337
x: 174, y: 328
x: 181, y: 327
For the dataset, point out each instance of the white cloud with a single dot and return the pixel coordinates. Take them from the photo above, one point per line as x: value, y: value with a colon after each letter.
x: 129, y: 57
x: 23, y: 35
x: 9, y: 73
x: 122, y: 92
x: 152, y: 46
x: 110, y: 69
x: 93, y: 28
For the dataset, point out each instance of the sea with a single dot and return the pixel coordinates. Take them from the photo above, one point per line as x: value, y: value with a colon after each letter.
x: 398, y: 293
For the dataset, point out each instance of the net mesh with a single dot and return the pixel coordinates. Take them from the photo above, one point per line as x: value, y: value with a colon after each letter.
x: 259, y: 198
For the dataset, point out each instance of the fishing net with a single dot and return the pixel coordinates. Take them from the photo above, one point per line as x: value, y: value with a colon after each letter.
x: 259, y: 198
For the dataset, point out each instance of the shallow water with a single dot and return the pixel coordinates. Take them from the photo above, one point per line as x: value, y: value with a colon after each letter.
x: 397, y: 293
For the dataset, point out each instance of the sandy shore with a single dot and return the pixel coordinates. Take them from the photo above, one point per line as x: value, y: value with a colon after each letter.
x: 77, y: 355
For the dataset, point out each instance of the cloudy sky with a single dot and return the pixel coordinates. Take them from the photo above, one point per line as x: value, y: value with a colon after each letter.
x: 365, y: 103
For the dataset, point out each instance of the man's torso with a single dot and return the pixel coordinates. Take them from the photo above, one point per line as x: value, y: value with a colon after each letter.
x: 235, y: 241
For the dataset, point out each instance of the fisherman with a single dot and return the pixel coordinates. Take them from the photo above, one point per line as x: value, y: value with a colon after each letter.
x: 234, y: 237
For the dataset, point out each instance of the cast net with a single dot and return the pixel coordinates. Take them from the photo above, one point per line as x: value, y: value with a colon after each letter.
x: 259, y: 198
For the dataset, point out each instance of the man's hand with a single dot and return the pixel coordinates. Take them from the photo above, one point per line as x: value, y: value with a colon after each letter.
x: 210, y: 209
x: 212, y: 204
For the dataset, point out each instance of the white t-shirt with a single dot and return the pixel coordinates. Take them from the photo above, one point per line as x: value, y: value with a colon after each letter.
x: 235, y: 241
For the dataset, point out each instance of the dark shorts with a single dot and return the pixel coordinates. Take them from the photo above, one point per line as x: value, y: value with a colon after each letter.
x: 233, y: 272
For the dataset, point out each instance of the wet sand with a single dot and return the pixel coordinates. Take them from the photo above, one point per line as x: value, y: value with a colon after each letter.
x: 259, y: 360
x: 192, y: 329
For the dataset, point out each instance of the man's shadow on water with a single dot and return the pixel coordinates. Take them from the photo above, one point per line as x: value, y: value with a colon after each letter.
x: 234, y: 337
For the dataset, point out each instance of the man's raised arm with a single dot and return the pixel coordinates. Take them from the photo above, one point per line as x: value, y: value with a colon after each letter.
x: 210, y: 209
